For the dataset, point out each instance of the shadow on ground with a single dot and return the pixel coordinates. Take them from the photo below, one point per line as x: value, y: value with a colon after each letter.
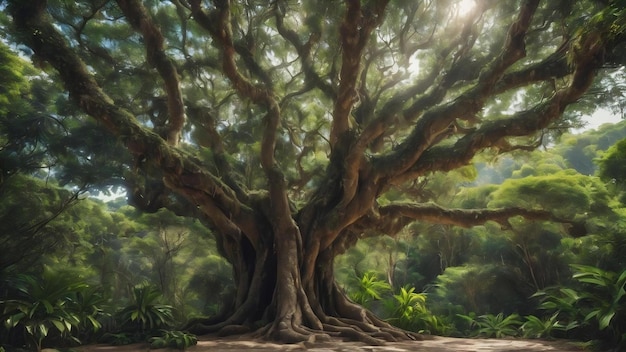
x: 431, y: 344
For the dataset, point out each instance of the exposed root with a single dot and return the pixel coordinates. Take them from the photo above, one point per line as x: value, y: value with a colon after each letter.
x: 201, y: 329
x: 230, y: 330
x: 362, y: 325
x: 374, y: 333
x: 212, y: 325
x: 355, y: 335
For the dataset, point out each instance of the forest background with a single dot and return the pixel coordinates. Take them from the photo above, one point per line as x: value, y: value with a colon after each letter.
x: 75, y: 269
x: 438, y: 279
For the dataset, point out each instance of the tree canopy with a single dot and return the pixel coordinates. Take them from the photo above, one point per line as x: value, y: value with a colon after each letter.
x: 294, y: 129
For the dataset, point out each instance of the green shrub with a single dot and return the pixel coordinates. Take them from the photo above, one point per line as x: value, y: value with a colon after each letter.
x: 596, y: 304
x: 120, y: 338
x: 535, y: 327
x: 173, y: 339
x: 369, y: 288
x: 489, y: 325
x: 145, y: 313
x: 408, y: 310
x: 46, y: 305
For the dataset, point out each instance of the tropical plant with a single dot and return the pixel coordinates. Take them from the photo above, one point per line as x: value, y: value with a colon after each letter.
x: 145, y: 313
x: 535, y: 327
x: 173, y: 339
x: 369, y: 288
x: 596, y: 303
x: 465, y: 324
x: 89, y: 307
x: 561, y: 300
x: 119, y: 338
x: 490, y: 325
x: 44, y: 305
x: 607, y: 293
x: 408, y: 310
x: 288, y: 133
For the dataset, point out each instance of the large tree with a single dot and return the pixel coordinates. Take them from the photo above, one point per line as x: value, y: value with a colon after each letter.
x: 295, y: 128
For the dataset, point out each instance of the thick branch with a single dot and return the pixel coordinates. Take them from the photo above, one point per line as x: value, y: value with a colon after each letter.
x: 388, y: 115
x: 437, y: 121
x: 312, y: 78
x: 553, y: 67
x: 287, y: 238
x: 355, y: 30
x: 219, y: 27
x: 461, y: 217
x: 180, y: 170
x: 202, y: 117
x: 140, y: 20
x: 493, y: 134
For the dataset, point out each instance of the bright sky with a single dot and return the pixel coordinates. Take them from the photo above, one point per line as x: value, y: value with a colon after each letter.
x: 599, y: 118
x: 466, y: 6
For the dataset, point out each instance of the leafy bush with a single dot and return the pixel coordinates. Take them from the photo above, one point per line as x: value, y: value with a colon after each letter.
x: 489, y: 325
x: 173, y: 339
x: 48, y: 305
x: 535, y: 327
x: 408, y: 310
x: 120, y: 338
x: 88, y: 305
x: 145, y: 313
x: 596, y: 304
x: 369, y: 288
x: 483, y: 289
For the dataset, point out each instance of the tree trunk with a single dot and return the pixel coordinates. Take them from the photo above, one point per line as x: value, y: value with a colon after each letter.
x: 282, y: 261
x: 286, y: 292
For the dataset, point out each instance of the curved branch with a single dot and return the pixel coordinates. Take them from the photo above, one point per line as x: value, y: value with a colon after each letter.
x: 391, y: 219
x: 552, y: 67
x: 218, y: 24
x: 355, y: 30
x: 461, y: 69
x: 524, y: 123
x: 437, y: 120
x: 205, y: 119
x: 140, y: 20
x: 461, y: 217
x: 181, y: 171
x: 304, y: 52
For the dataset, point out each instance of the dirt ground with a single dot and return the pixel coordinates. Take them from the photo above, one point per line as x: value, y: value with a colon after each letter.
x: 431, y: 344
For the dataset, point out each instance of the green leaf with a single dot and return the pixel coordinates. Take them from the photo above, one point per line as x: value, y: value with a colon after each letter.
x: 605, y: 320
x: 48, y: 305
x: 94, y: 322
x: 59, y: 325
x: 43, y: 329
x: 593, y: 280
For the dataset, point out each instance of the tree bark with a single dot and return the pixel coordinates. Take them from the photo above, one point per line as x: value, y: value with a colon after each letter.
x: 283, y: 258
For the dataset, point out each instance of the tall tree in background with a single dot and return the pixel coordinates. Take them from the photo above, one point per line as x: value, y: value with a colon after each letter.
x: 295, y: 128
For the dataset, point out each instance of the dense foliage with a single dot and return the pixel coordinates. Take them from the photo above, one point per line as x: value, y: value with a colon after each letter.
x: 306, y: 173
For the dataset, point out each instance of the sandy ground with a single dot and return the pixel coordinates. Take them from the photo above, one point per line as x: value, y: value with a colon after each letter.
x: 434, y: 344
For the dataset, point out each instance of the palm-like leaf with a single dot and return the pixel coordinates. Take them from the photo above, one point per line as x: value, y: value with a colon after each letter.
x: 369, y: 288
x: 42, y: 305
x: 145, y: 313
x: 608, y: 291
x: 537, y: 328
x: 498, y: 325
x: 408, y: 310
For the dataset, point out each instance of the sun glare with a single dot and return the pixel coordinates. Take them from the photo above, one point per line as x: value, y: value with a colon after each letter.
x: 466, y: 6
